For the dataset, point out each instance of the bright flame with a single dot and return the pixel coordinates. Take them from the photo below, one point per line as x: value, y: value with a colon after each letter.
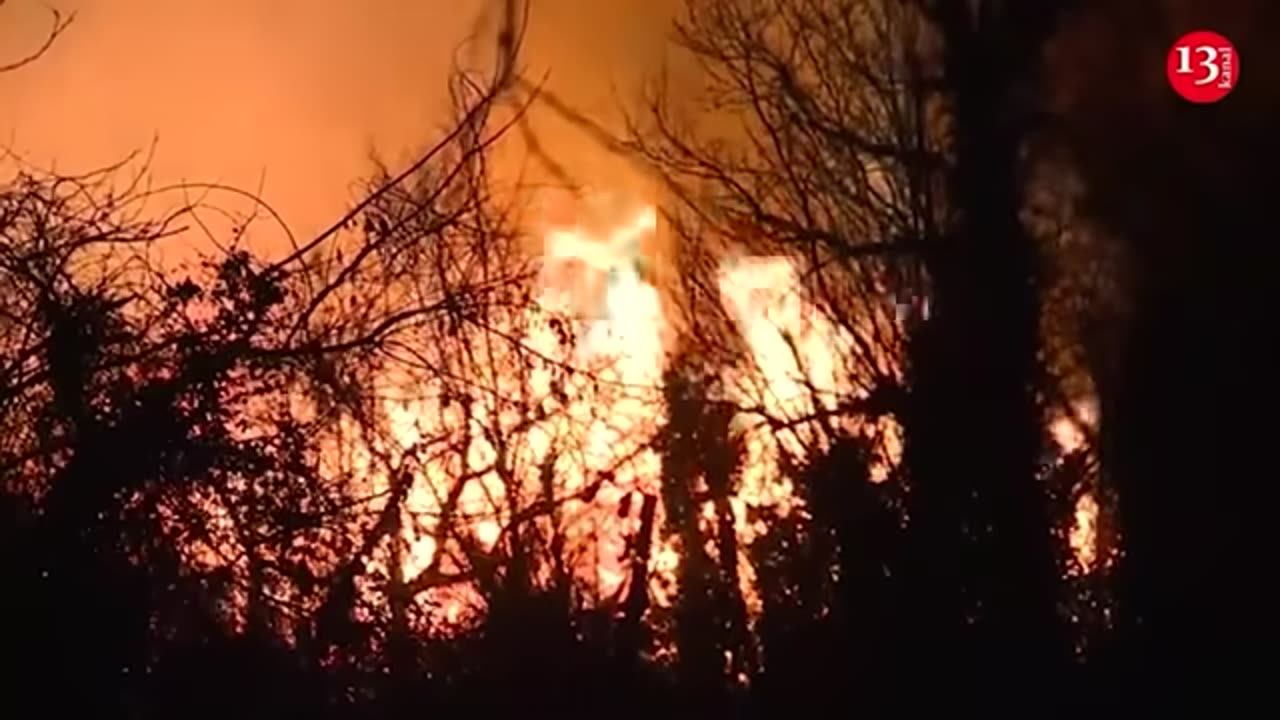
x: 621, y: 337
x: 1084, y: 532
x: 584, y: 414
x: 801, y: 370
x: 601, y: 419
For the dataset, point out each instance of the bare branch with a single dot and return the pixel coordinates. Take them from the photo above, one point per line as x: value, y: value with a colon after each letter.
x: 60, y: 24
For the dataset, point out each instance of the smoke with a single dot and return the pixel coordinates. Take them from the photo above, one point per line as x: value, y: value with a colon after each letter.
x: 295, y: 95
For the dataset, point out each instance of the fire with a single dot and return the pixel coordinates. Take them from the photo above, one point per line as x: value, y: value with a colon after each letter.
x: 1069, y: 434
x: 1084, y: 532
x: 548, y: 429
x: 596, y: 313
x: 587, y: 365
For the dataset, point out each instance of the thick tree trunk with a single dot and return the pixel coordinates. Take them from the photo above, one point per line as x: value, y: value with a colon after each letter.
x: 984, y: 540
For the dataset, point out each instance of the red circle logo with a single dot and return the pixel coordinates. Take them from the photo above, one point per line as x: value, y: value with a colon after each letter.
x: 1203, y: 66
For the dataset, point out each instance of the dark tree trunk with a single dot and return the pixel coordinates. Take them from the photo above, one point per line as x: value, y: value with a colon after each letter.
x: 982, y: 535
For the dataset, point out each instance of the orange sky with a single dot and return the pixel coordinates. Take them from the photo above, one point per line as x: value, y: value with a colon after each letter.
x: 302, y: 89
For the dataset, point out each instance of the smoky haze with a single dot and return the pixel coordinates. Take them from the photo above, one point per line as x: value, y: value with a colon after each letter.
x: 297, y: 94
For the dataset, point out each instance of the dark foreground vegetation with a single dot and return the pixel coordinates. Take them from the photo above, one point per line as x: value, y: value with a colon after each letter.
x: 1078, y: 230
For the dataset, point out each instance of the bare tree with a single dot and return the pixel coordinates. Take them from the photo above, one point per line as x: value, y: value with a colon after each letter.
x: 880, y: 143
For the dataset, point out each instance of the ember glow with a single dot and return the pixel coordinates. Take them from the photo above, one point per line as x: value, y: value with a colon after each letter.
x: 1069, y: 434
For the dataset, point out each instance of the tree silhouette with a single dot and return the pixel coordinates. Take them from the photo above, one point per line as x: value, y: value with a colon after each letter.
x: 165, y: 473
x: 386, y: 471
x: 882, y: 147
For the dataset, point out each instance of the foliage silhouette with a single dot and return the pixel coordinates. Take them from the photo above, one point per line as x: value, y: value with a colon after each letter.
x: 211, y: 502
